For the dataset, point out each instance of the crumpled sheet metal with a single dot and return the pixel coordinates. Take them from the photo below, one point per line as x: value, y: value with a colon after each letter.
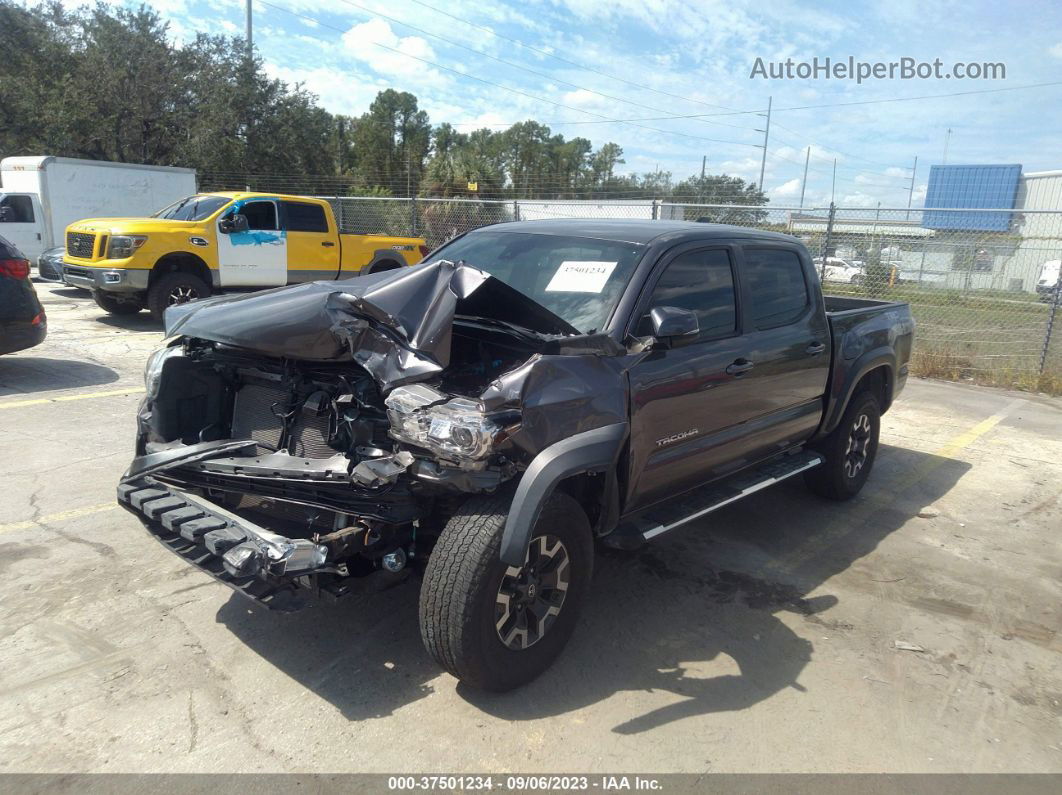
x: 396, y: 324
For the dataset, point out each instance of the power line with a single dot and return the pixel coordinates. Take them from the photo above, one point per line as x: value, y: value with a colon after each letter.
x: 809, y: 107
x: 508, y: 88
x: 556, y: 57
x: 543, y: 75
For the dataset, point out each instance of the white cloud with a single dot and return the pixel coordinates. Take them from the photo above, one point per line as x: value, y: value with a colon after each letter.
x: 1056, y: 50
x: 788, y: 188
x: 397, y: 57
x: 339, y: 91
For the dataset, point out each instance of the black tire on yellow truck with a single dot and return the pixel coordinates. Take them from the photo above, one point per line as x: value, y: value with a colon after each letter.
x: 116, y: 304
x: 174, y: 288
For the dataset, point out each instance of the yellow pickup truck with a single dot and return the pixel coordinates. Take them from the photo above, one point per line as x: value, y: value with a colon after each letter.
x: 216, y: 241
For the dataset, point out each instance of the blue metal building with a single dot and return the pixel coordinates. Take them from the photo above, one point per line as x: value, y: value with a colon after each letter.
x: 989, y: 186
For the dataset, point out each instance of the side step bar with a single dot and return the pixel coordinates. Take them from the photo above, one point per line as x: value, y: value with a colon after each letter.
x: 658, y: 520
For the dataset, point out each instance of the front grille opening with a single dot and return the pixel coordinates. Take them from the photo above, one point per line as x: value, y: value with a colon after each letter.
x: 80, y: 244
x: 258, y: 416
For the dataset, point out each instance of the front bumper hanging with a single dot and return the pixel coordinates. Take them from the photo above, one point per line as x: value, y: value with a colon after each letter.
x: 276, y: 571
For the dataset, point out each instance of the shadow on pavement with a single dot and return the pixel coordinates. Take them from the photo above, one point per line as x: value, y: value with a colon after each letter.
x: 655, y: 618
x: 25, y: 373
x: 141, y: 321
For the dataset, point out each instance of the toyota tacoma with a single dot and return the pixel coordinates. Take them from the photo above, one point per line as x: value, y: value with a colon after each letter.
x: 484, y: 419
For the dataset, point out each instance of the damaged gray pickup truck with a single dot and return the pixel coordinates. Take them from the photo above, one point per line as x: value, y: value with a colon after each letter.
x: 484, y: 418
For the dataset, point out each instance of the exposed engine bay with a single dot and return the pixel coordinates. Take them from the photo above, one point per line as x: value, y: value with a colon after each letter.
x: 320, y: 444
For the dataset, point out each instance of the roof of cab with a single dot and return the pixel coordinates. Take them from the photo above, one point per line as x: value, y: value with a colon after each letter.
x: 239, y: 194
x: 636, y: 230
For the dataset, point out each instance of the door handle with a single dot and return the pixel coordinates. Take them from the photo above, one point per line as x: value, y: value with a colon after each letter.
x: 815, y: 348
x: 328, y: 243
x: 739, y: 367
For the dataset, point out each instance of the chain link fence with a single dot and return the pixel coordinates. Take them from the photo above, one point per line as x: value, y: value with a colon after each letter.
x: 983, y: 285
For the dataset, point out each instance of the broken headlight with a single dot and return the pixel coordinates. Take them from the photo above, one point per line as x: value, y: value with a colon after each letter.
x: 452, y: 427
x: 155, y: 363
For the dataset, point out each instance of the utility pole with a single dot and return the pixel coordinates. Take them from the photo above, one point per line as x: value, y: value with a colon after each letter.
x: 833, y: 186
x: 700, y: 191
x: 247, y: 34
x: 766, y: 134
x: 910, y: 190
x: 947, y: 140
x: 804, y: 183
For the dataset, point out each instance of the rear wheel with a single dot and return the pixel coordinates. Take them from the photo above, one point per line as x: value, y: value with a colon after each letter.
x: 175, y: 288
x: 385, y: 265
x: 497, y: 626
x: 115, y: 304
x: 849, y: 451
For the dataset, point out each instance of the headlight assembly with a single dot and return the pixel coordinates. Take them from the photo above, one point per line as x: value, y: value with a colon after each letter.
x: 452, y: 427
x: 155, y: 362
x: 123, y: 246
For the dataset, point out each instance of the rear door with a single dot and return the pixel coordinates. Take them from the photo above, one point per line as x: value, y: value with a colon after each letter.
x: 257, y: 257
x: 788, y: 345
x: 21, y: 222
x: 313, y: 250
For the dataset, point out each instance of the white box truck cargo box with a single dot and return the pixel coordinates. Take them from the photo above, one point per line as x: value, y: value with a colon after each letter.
x: 41, y: 196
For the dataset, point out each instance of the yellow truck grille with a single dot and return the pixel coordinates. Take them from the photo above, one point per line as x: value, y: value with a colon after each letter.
x: 80, y: 244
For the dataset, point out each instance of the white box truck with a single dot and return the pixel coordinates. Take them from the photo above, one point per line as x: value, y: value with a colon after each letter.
x: 40, y: 196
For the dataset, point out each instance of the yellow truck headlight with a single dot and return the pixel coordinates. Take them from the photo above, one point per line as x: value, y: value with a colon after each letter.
x: 123, y: 246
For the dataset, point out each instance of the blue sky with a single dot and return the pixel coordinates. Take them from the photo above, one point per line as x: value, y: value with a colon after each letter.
x: 681, y: 58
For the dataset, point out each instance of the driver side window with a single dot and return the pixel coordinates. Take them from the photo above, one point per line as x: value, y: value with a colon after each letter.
x: 260, y: 215
x: 702, y: 282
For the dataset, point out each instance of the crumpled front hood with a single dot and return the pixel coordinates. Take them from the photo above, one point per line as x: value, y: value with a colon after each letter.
x: 396, y: 324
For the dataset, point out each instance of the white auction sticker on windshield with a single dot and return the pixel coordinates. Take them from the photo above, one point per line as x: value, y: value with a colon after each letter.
x: 580, y: 276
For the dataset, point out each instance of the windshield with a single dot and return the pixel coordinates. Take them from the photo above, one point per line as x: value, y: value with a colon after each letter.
x: 193, y: 208
x: 578, y: 279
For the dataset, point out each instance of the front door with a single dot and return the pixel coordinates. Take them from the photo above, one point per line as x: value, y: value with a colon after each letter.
x: 21, y: 223
x: 688, y: 402
x: 257, y: 257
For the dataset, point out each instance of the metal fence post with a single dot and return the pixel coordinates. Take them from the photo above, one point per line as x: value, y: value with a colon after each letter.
x: 656, y: 209
x: 1051, y: 321
x: 413, y: 216
x: 516, y: 210
x: 826, y: 239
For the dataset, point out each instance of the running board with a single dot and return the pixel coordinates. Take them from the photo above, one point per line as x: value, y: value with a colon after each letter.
x: 700, y: 502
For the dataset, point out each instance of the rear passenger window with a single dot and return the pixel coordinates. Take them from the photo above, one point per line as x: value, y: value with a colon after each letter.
x: 778, y: 293
x: 703, y: 282
x: 305, y: 217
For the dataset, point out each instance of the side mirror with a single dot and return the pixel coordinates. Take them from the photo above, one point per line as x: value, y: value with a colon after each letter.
x: 237, y: 222
x: 674, y: 326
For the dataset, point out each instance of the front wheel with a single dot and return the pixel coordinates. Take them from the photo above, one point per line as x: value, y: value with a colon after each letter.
x: 496, y: 626
x: 172, y: 289
x: 849, y: 451
x: 115, y: 305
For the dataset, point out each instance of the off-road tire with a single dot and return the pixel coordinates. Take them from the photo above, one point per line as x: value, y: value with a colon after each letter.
x: 113, y: 305
x: 832, y: 479
x: 160, y: 294
x: 460, y: 590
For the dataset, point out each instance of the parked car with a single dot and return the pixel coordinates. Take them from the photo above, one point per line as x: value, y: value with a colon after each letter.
x: 839, y: 270
x: 23, y: 323
x: 50, y: 264
x: 489, y: 415
x: 1048, y: 280
x: 214, y: 241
